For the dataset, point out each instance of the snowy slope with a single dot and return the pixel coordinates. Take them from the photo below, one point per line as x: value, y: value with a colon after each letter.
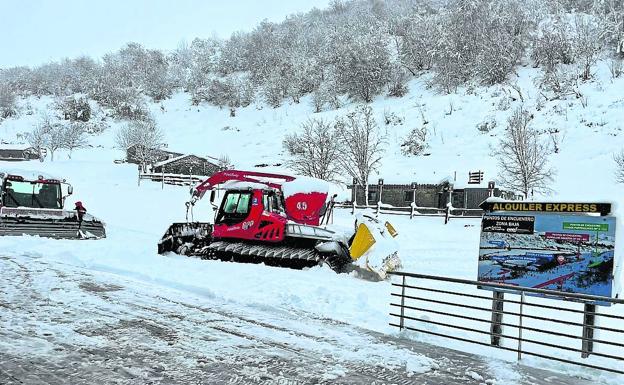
x: 589, y: 135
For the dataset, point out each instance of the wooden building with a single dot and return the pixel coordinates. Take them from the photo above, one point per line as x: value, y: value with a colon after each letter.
x: 431, y: 195
x: 402, y: 195
x: 159, y: 155
x: 17, y: 152
x: 472, y: 197
x: 186, y: 165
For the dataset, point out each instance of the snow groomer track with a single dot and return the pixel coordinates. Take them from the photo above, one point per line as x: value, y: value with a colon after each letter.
x: 63, y: 324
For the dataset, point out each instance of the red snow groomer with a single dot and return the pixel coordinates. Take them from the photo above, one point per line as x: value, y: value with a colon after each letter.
x: 278, y: 220
x: 32, y: 204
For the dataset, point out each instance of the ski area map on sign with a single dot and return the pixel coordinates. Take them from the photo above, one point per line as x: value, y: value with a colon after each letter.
x: 555, y: 246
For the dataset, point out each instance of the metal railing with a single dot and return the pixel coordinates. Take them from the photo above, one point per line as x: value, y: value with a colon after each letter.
x: 459, y: 310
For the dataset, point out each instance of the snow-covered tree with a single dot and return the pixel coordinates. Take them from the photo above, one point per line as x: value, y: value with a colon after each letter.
x: 73, y: 136
x: 74, y: 108
x: 619, y: 166
x: 16, y: 79
x: 51, y: 133
x: 204, y: 55
x: 232, y: 54
x: 362, y: 145
x: 586, y: 43
x: 326, y: 95
x: 8, y: 104
x: 480, y: 40
x: 416, y: 46
x: 552, y: 44
x: 180, y: 63
x: 523, y: 157
x: 145, y: 136
x: 416, y: 142
x: 610, y: 14
x: 138, y: 68
x: 361, y: 62
x: 315, y: 150
x: 38, y: 136
x: 397, y: 85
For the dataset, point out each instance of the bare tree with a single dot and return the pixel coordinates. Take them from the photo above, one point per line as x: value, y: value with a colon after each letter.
x: 315, y: 150
x: 619, y: 163
x: 587, y: 43
x: 362, y: 145
x: 552, y: 45
x: 145, y: 136
x: 523, y: 157
x: 74, y: 137
x: 225, y: 163
x: 37, y: 139
x: 47, y: 134
x: 55, y: 138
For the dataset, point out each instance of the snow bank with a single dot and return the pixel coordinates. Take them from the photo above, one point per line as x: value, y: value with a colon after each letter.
x: 304, y: 185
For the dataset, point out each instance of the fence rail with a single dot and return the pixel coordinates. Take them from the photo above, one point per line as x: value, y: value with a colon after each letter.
x: 172, y: 179
x: 418, y: 211
x: 425, y: 309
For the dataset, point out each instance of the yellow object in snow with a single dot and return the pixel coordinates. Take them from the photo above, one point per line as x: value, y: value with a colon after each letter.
x: 391, y: 230
x: 363, y: 241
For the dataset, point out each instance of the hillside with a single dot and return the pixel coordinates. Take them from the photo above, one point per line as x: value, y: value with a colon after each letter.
x: 587, y: 130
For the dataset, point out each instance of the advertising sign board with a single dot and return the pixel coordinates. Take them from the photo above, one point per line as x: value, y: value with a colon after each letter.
x: 568, y: 252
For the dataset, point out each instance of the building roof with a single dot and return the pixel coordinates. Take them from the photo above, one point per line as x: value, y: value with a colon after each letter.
x: 15, y: 147
x: 177, y: 158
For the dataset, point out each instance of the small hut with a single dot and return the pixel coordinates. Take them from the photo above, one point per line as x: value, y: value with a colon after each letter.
x: 18, y: 152
x: 186, y: 165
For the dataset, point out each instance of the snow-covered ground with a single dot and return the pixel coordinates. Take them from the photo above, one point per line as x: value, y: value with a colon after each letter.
x: 137, y: 216
x: 65, y: 324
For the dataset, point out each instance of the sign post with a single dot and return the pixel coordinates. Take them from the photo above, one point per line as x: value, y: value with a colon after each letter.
x: 380, y: 188
x: 491, y: 186
x: 589, y: 319
x: 355, y: 183
x: 496, y: 328
x: 413, y: 205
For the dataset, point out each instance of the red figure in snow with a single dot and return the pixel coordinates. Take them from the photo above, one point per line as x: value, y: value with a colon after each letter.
x: 81, y: 210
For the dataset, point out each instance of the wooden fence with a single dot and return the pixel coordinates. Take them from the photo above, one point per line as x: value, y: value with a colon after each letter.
x: 414, y: 211
x: 172, y: 179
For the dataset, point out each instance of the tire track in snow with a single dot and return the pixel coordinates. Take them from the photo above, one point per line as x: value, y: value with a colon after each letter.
x: 133, y: 332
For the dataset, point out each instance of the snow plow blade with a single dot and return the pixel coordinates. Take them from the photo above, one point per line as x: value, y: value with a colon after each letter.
x: 362, y: 242
x: 185, y: 238
x: 373, y: 247
x: 57, y: 224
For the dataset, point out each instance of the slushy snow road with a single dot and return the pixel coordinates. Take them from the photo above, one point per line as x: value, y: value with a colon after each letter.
x: 63, y: 324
